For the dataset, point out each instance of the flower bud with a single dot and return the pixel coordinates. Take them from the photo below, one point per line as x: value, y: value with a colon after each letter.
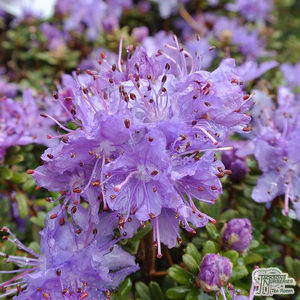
x: 237, y: 234
x: 215, y: 270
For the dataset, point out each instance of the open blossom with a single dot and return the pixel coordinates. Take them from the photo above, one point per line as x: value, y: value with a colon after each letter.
x: 167, y: 8
x: 21, y: 123
x: 78, y: 260
x: 251, y: 70
x: 56, y: 39
x: 277, y: 148
x: 148, y: 130
x: 291, y: 74
x: 235, y: 159
x: 231, y: 31
x: 252, y: 10
x: 7, y: 89
x: 94, y: 15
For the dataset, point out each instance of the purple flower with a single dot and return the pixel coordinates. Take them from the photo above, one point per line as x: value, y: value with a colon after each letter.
x: 7, y: 89
x: 153, y: 43
x: 237, y: 234
x: 93, y: 15
x: 92, y: 61
x: 251, y: 70
x: 253, y: 10
x: 232, y: 32
x: 140, y: 33
x: 167, y: 8
x: 56, y: 39
x: 291, y: 74
x: 144, y: 6
x: 214, y: 272
x: 147, y: 132
x: 235, y: 159
x: 277, y: 148
x: 21, y: 123
x: 77, y: 259
x: 201, y: 47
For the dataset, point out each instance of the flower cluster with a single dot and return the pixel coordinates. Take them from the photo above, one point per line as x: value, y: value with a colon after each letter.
x: 252, y: 10
x: 277, y: 148
x: 21, y: 123
x: 56, y: 273
x: 148, y: 130
x: 94, y: 15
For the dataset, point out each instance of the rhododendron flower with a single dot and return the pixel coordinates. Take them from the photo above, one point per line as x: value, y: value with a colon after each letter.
x: 147, y: 132
x: 76, y: 261
x: 277, y: 148
x: 252, y: 10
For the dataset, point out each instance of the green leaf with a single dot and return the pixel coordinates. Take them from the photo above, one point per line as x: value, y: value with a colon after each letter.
x: 229, y: 214
x: 155, y: 291
x: 19, y: 177
x: 9, y: 248
x: 143, y: 290
x: 15, y: 159
x: 192, y: 250
x: 39, y: 220
x: 178, y: 292
x: 191, y: 264
x: 197, y: 294
x: 181, y: 276
x: 238, y: 272
x: 253, y: 244
x: 252, y: 258
x: 6, y: 173
x: 232, y: 255
x: 209, y: 247
x: 35, y: 246
x: 22, y: 204
x: 125, y: 287
x: 212, y: 231
x: 28, y: 185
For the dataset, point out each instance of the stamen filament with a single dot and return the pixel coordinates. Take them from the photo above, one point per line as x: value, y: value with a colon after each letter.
x: 207, y: 134
x: 287, y: 194
x: 120, y: 54
x: 57, y: 122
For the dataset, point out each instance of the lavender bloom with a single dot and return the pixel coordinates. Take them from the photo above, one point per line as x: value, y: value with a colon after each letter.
x: 140, y: 33
x: 277, y: 148
x: 56, y: 39
x: 201, y: 48
x: 147, y: 132
x: 237, y: 234
x: 291, y: 74
x: 252, y: 10
x: 7, y: 89
x: 214, y: 272
x: 230, y: 31
x: 251, y: 70
x: 78, y: 260
x: 91, y: 13
x: 167, y: 8
x: 94, y: 15
x: 144, y: 6
x: 92, y: 61
x: 235, y: 159
x: 21, y: 123
x: 153, y: 43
